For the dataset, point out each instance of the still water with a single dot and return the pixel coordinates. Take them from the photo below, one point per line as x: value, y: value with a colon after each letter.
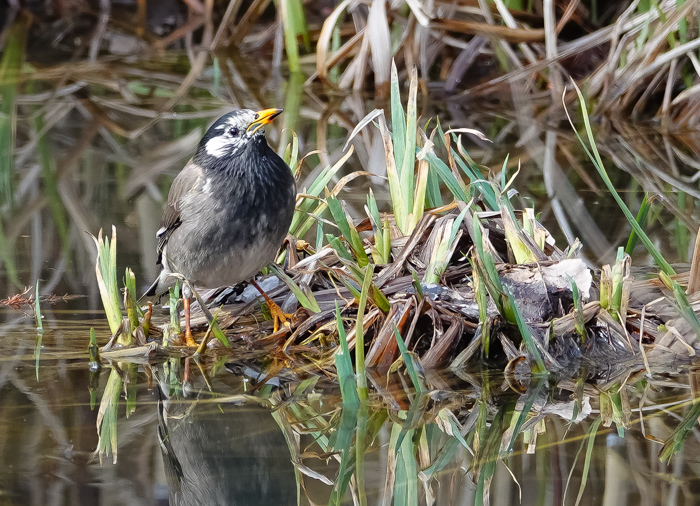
x: 91, y: 151
x: 222, y: 439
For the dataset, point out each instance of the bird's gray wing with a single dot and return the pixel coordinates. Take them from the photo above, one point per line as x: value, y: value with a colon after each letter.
x: 190, y: 179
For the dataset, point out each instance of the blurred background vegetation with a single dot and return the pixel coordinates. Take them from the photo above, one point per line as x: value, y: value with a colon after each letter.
x: 104, y: 101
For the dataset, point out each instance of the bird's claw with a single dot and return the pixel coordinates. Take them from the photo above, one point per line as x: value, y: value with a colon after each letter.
x: 189, y: 341
x: 279, y: 316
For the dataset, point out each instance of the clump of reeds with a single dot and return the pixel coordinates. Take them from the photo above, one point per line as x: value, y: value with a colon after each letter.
x: 453, y: 282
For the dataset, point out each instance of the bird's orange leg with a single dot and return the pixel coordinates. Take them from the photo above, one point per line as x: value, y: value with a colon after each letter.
x: 278, y: 316
x: 188, y: 331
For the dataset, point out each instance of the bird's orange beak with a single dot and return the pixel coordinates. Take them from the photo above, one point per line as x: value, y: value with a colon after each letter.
x: 262, y: 118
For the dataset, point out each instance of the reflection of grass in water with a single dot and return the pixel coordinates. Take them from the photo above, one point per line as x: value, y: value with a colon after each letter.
x: 422, y: 447
x: 107, y: 417
x: 39, y: 330
x: 587, y: 439
x: 675, y: 442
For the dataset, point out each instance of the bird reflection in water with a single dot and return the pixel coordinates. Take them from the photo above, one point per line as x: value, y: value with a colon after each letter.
x: 220, y: 453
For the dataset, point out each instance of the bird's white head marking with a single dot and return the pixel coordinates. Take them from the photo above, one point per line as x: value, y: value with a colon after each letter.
x: 229, y: 134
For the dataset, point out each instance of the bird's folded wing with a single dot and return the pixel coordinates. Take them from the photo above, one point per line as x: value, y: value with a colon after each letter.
x: 190, y: 179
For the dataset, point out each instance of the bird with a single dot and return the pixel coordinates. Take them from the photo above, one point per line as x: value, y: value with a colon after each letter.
x: 228, y: 211
x: 228, y: 453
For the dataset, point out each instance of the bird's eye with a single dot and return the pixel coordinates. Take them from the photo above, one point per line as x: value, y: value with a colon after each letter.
x: 233, y: 131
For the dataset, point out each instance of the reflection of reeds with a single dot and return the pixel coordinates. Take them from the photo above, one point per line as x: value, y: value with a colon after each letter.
x: 39, y: 330
x: 425, y: 438
x: 478, y: 422
x: 107, y: 417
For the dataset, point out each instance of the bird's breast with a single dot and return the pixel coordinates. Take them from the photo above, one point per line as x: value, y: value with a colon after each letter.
x: 234, y: 226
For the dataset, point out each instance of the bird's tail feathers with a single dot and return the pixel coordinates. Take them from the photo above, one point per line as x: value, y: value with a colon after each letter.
x: 161, y: 284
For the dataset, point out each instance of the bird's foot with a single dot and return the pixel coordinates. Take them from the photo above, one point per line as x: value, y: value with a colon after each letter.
x: 188, y: 330
x: 278, y: 316
x: 189, y: 341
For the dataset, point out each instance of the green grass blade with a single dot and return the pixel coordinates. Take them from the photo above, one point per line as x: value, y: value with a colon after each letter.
x: 433, y: 197
x: 291, y: 154
x: 360, y: 438
x: 95, y: 365
x: 131, y: 371
x: 339, y: 247
x: 339, y: 217
x: 408, y: 362
x: 382, y: 237
x: 443, y: 249
x: 343, y: 366
x: 348, y: 230
x: 683, y: 431
x: 290, y: 27
x: 133, y: 310
x: 319, y: 236
x: 532, y: 394
x: 292, y: 445
x: 398, y: 199
x: 37, y: 309
x: 48, y: 175
x: 398, y: 118
x: 94, y: 352
x: 106, y: 272
x: 526, y: 333
x: 486, y: 265
x: 301, y: 222
x: 292, y: 114
x: 173, y: 303
x: 406, y: 479
x: 406, y: 169
x: 306, y: 299
x: 579, y: 322
x: 213, y: 324
x: 362, y: 390
x: 594, y: 156
x: 641, y: 218
x: 514, y: 232
x: 445, y: 174
x: 682, y: 304
x: 476, y: 179
x: 482, y: 303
